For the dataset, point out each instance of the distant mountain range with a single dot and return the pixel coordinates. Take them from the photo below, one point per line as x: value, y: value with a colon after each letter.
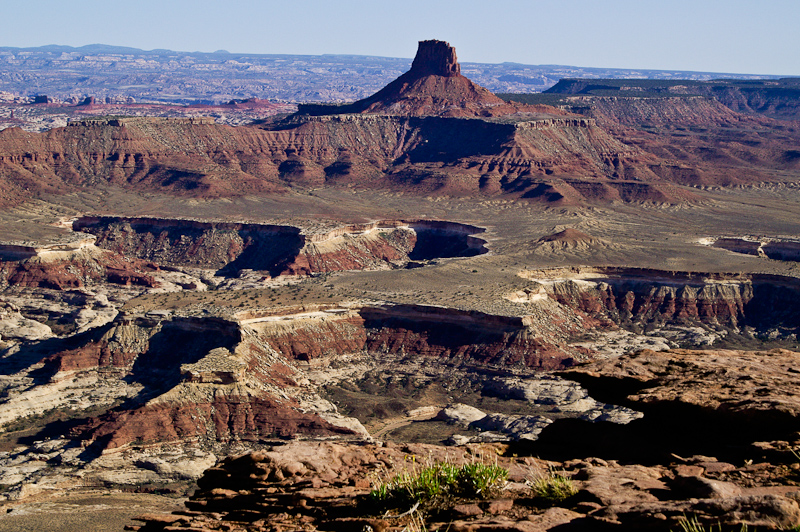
x: 104, y: 71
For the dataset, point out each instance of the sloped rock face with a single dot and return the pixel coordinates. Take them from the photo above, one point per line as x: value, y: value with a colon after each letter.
x: 15, y: 326
x: 642, y: 297
x: 469, y: 338
x: 281, y: 250
x: 721, y: 138
x: 662, y: 112
x: 76, y: 270
x: 154, y: 368
x: 775, y: 102
x: 433, y: 86
x: 220, y: 418
x: 754, y: 386
x: 384, y: 140
x: 209, y: 160
x: 727, y: 400
x: 569, y: 240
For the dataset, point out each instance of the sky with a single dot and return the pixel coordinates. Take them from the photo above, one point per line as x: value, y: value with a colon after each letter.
x: 733, y: 36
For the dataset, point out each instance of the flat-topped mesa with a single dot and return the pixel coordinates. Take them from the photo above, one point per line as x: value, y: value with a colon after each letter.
x: 435, y: 58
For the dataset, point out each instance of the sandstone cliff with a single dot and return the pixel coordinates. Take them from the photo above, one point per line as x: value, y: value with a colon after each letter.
x: 432, y: 130
x: 281, y: 249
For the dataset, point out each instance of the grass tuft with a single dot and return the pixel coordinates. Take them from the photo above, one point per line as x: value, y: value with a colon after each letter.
x: 478, y: 479
x: 439, y: 481
x: 553, y: 487
x: 691, y: 524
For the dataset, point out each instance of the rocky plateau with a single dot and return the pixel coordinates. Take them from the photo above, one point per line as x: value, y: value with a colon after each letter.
x: 266, y: 321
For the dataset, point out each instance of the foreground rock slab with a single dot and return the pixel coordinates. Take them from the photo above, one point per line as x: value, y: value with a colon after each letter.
x: 325, y: 486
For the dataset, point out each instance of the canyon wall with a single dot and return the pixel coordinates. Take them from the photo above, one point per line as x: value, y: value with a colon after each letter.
x: 208, y: 160
x: 417, y: 331
x: 654, y: 298
x: 281, y: 250
x: 62, y: 270
x: 178, y: 380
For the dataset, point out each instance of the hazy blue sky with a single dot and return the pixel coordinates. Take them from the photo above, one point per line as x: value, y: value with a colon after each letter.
x: 738, y: 36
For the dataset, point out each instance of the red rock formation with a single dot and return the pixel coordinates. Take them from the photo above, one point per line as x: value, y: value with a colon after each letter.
x: 407, y: 136
x: 755, y: 145
x: 445, y: 334
x: 646, y: 302
x: 88, y: 356
x: 281, y: 250
x: 435, y: 58
x: 433, y: 86
x: 176, y: 406
x: 673, y: 297
x: 223, y: 418
x: 744, y: 384
x: 77, y: 271
x: 324, y: 486
x: 198, y: 158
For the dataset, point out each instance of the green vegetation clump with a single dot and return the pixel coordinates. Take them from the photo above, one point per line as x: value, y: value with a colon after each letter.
x: 440, y: 481
x: 691, y: 524
x: 553, y: 487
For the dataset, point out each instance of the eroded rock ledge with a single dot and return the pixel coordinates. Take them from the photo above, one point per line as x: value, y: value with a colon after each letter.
x: 280, y: 249
x: 325, y: 486
x: 694, y: 402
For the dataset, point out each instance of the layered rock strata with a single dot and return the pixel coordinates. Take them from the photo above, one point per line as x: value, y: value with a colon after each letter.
x: 431, y: 130
x: 728, y: 401
x: 179, y: 380
x: 433, y: 86
x: 282, y: 250
x: 77, y: 270
x: 471, y: 338
x: 644, y: 298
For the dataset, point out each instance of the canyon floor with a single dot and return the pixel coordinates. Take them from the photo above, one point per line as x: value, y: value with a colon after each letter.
x: 626, y: 238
